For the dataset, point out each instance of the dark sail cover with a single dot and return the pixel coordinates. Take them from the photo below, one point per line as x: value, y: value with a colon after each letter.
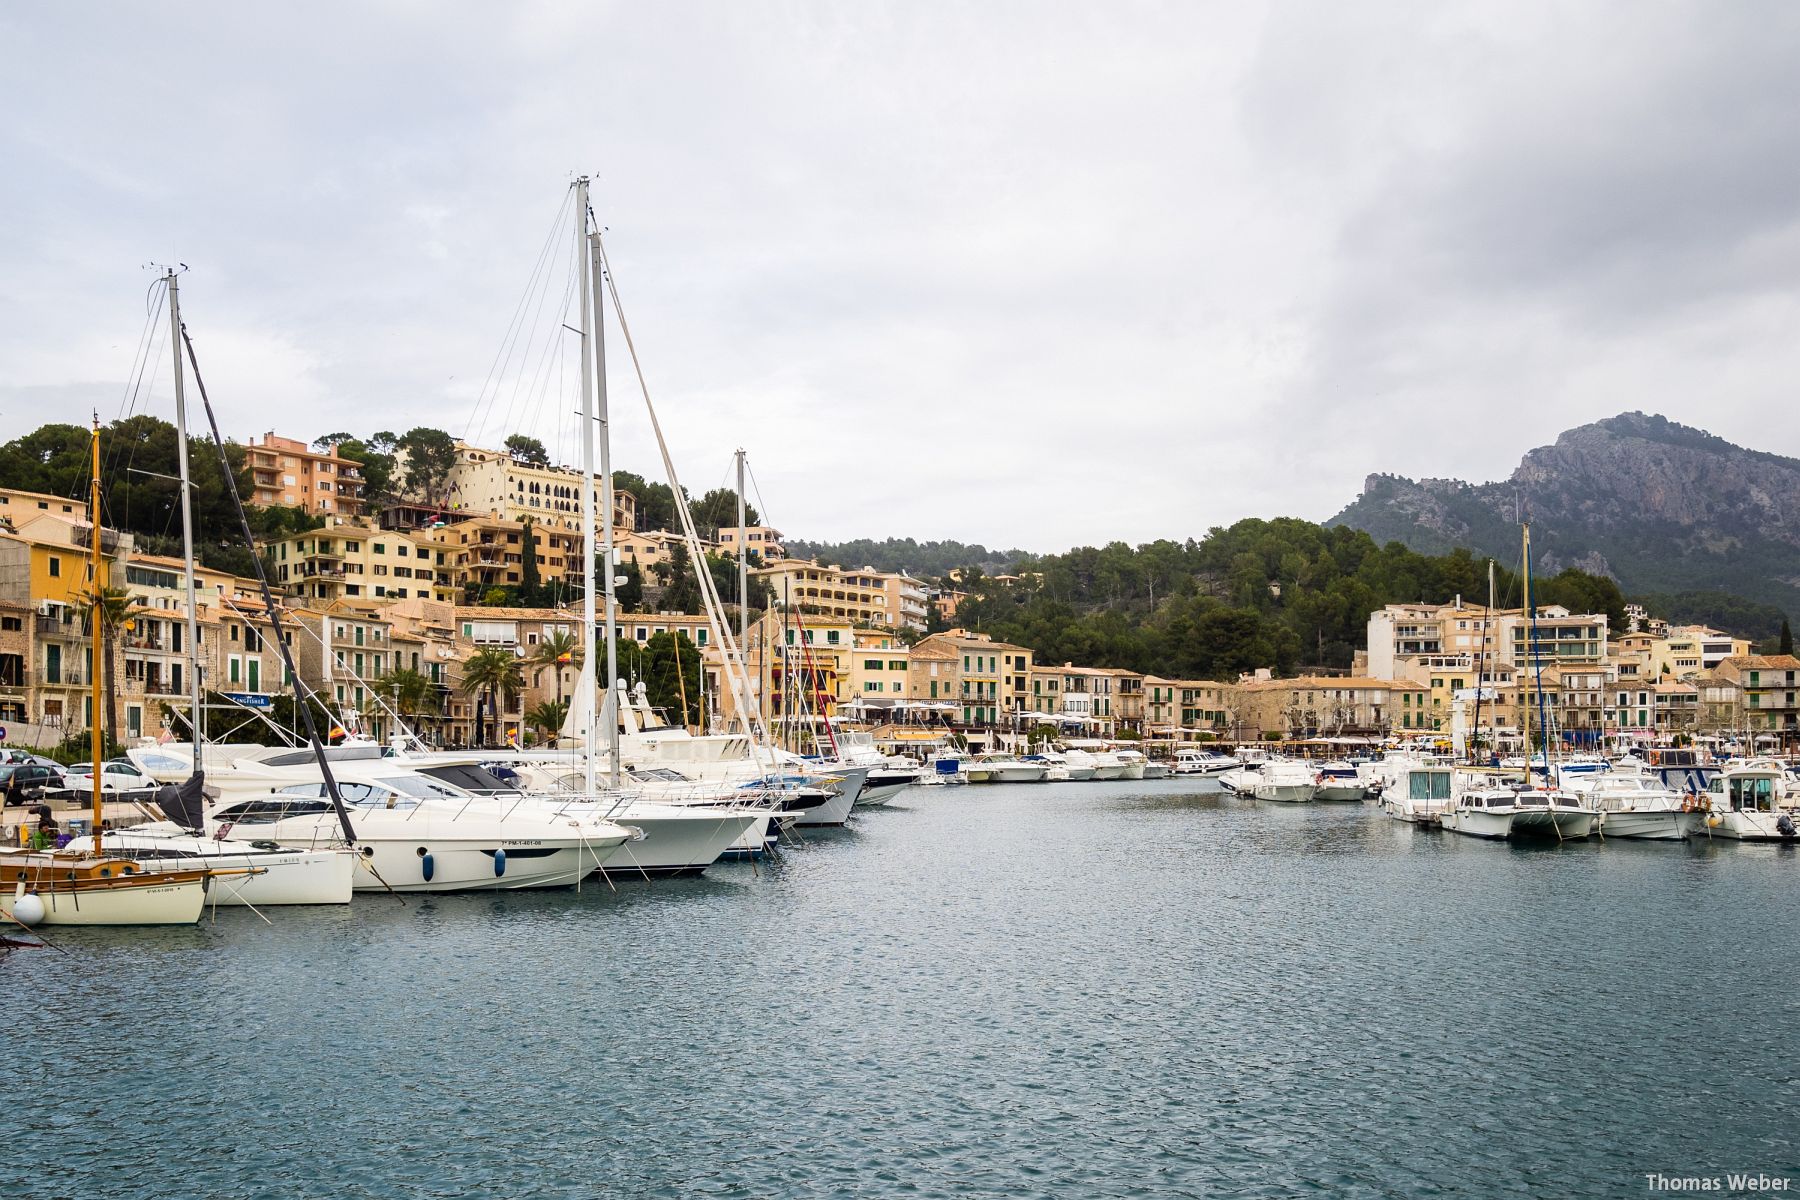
x: 185, y: 803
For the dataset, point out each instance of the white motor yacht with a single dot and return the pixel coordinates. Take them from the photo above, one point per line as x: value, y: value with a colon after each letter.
x: 1000, y: 767
x: 1133, y: 762
x: 1484, y: 812
x: 1198, y: 762
x: 1081, y: 765
x: 415, y: 834
x: 1747, y: 802
x: 1338, y: 781
x: 1285, y: 782
x: 1634, y: 806
x: 1552, y: 813
x: 678, y: 838
x: 1417, y: 792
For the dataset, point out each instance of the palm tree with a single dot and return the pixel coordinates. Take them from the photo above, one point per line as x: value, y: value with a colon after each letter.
x: 548, y: 716
x: 409, y: 691
x: 556, y: 651
x: 113, y: 606
x: 490, y: 672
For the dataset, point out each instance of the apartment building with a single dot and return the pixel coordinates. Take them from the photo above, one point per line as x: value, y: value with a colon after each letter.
x: 1184, y: 710
x: 1767, y: 687
x: 291, y: 473
x: 993, y: 679
x: 354, y: 561
x: 1685, y: 651
x: 492, y: 483
x: 763, y: 541
x: 866, y: 597
x: 1324, y: 706
x: 18, y: 505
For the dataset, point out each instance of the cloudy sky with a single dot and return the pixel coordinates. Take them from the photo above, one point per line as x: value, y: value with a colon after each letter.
x: 1026, y: 274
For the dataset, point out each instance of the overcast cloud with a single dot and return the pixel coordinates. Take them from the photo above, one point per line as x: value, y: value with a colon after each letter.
x: 1026, y: 274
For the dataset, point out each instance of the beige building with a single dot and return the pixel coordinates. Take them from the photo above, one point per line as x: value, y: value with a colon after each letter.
x: 763, y: 541
x: 17, y: 504
x: 865, y: 597
x: 993, y: 679
x: 354, y: 561
x: 288, y: 472
x: 1326, y: 706
x: 1184, y: 710
x: 491, y: 483
x: 1683, y: 652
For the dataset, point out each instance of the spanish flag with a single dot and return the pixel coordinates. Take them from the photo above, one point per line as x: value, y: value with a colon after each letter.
x: 337, y: 731
x: 564, y: 658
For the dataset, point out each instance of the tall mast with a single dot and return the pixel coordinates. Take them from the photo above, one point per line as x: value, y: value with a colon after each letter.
x: 1525, y: 612
x: 96, y: 621
x: 597, y: 272
x: 1486, y: 625
x: 195, y: 733
x: 743, y: 580
x: 587, y: 471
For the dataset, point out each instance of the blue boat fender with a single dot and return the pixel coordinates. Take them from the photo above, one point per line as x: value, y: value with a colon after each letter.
x: 427, y: 864
x: 499, y: 863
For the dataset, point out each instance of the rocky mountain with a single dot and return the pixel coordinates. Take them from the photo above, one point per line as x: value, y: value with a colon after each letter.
x: 1661, y: 507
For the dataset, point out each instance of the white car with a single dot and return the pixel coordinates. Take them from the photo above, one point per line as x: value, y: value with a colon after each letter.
x: 116, y: 775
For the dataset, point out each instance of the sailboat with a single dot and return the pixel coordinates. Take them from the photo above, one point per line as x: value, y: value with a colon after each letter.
x: 262, y: 874
x: 88, y: 887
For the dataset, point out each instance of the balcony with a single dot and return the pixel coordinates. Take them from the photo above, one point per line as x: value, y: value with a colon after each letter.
x: 52, y: 627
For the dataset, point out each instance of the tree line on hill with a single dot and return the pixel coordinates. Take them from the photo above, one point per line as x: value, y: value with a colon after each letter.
x: 1284, y: 593
x: 923, y: 560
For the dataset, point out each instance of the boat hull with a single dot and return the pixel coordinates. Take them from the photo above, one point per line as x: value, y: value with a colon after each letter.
x: 1556, y: 824
x: 165, y: 902
x: 677, y: 841
x: 834, y: 811
x: 1476, y: 823
x: 1656, y: 825
x: 1285, y: 793
x: 1738, y: 826
x: 253, y: 878
x: 1341, y: 792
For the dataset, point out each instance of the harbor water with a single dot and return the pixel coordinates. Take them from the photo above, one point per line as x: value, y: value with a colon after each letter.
x: 1104, y: 989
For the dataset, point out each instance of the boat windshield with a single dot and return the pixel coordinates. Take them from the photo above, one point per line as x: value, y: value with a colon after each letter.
x: 421, y: 788
x: 258, y: 812
x: 1755, y: 793
x: 1428, y: 785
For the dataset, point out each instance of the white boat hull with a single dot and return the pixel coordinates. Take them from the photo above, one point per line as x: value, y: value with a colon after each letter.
x: 1738, y: 826
x: 834, y: 811
x: 1007, y: 773
x: 1477, y: 822
x: 1285, y: 793
x: 1559, y: 824
x: 269, y: 877
x: 162, y: 904
x: 1659, y: 825
x: 1340, y: 792
x: 678, y: 841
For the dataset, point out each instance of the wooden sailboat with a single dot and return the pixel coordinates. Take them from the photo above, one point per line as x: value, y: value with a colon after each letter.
x: 88, y: 887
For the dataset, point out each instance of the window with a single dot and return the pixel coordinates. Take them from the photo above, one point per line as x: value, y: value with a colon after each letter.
x: 55, y: 567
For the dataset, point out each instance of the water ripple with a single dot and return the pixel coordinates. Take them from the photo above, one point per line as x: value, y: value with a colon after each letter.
x: 1087, y: 990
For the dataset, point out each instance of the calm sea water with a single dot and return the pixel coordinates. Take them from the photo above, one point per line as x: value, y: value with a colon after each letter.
x: 1075, y: 989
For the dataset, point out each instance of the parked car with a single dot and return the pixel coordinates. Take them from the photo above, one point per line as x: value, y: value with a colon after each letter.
x: 10, y: 755
x: 26, y: 783
x: 116, y: 775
